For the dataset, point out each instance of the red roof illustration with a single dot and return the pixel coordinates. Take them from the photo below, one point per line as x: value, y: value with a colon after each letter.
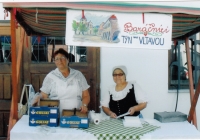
x: 83, y: 16
x: 113, y: 17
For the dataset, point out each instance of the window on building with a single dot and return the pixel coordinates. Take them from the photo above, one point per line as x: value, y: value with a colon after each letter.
x: 5, y: 53
x: 43, y: 48
x: 178, y: 70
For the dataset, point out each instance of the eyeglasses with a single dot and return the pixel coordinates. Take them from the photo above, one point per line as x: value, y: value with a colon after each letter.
x: 120, y: 74
x: 61, y: 58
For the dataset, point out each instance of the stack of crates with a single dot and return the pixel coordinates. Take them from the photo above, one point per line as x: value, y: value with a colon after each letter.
x: 45, y: 114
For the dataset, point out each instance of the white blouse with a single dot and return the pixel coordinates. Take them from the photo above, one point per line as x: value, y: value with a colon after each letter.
x: 67, y: 89
x: 140, y: 95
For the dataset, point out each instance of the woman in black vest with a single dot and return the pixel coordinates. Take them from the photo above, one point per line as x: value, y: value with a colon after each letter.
x: 124, y: 96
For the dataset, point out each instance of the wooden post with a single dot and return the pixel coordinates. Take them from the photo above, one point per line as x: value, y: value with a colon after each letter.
x: 14, y: 63
x: 14, y: 104
x: 194, y: 102
x: 189, y: 64
x: 19, y: 53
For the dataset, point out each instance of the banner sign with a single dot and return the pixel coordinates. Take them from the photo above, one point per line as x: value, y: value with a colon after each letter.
x: 111, y: 29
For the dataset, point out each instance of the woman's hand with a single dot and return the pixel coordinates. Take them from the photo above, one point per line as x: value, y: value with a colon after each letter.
x: 36, y: 100
x: 112, y: 114
x: 138, y: 107
x: 38, y: 96
x: 84, y: 109
x: 132, y: 110
x: 109, y: 112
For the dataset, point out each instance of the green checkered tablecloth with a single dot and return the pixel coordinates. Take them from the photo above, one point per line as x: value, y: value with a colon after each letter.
x: 114, y: 129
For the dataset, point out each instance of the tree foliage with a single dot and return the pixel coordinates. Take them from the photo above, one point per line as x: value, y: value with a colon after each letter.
x: 82, y: 28
x: 74, y: 26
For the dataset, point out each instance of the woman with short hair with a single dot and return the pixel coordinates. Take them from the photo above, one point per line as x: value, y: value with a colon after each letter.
x: 67, y: 85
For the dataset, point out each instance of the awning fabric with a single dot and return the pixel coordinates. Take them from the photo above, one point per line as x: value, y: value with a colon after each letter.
x: 49, y: 18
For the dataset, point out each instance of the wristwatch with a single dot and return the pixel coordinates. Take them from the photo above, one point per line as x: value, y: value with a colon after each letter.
x: 85, y: 105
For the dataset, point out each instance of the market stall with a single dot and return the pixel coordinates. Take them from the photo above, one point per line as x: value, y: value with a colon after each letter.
x: 26, y: 14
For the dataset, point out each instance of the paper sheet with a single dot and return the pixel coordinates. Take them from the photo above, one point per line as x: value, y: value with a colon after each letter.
x: 123, y: 115
x: 132, y: 121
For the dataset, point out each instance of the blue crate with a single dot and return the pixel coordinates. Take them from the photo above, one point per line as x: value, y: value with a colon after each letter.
x: 74, y: 122
x: 49, y: 121
x: 44, y: 111
x: 74, y: 119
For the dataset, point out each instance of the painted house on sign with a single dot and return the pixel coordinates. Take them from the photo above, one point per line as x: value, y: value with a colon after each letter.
x: 84, y: 26
x: 109, y: 30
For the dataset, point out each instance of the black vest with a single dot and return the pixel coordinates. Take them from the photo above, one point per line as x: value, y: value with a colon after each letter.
x: 122, y: 106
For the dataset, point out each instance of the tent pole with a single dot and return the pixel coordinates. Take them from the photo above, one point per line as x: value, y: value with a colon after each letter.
x: 194, y: 102
x: 189, y: 64
x: 14, y: 107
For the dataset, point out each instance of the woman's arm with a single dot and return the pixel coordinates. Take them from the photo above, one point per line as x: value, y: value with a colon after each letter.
x: 39, y: 96
x: 138, y: 107
x: 109, y: 112
x: 44, y: 95
x: 85, y: 101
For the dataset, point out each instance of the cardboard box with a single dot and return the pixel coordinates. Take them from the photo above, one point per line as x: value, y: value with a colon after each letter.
x: 74, y: 119
x: 49, y: 103
x: 35, y: 121
x: 170, y: 116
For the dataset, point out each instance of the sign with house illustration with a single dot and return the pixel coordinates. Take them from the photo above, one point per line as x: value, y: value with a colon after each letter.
x: 114, y: 29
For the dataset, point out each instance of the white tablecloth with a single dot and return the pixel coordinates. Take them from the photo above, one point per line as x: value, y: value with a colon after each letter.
x: 22, y: 131
x: 174, y: 130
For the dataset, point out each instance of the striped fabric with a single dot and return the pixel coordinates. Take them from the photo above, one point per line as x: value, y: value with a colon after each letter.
x: 52, y: 15
x: 132, y: 7
x: 114, y: 129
